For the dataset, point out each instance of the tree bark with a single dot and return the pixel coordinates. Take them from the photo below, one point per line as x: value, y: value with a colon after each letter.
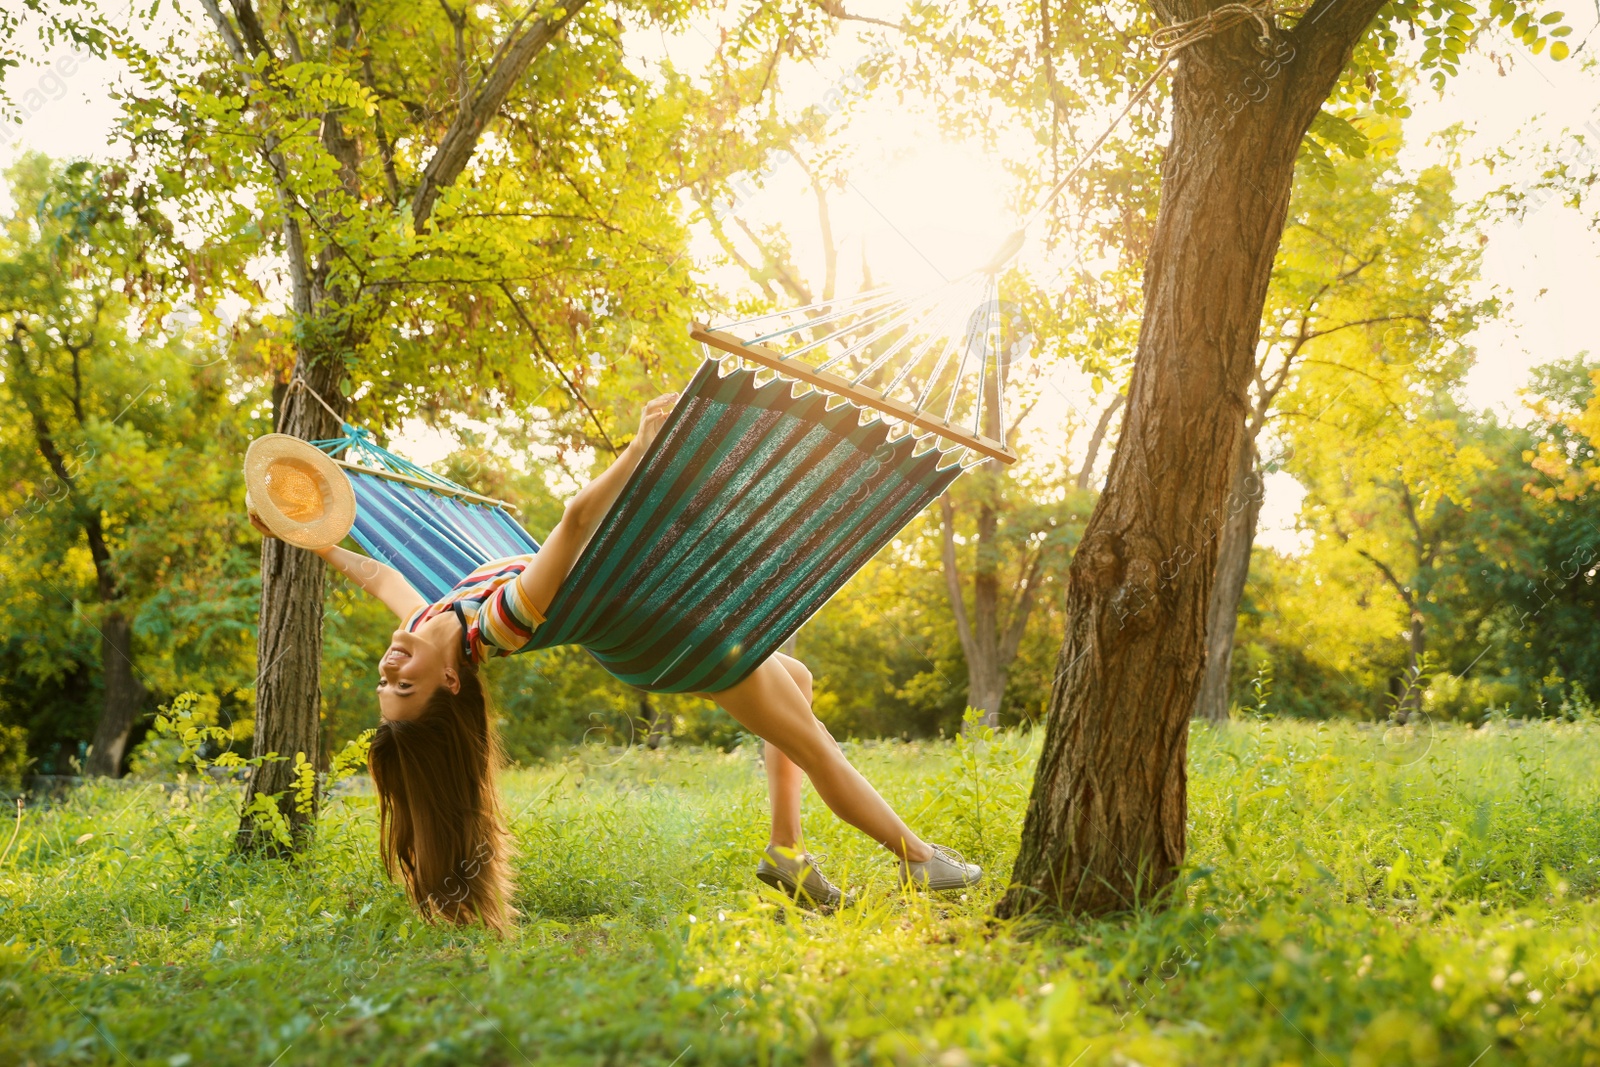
x: 123, y: 695
x: 1233, y: 568
x: 657, y: 723
x: 1105, y: 824
x: 289, y: 637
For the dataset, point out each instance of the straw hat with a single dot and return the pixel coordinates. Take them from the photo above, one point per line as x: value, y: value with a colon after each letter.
x: 301, y: 494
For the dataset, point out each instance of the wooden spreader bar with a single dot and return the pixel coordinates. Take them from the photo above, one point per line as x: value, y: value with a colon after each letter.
x: 860, y: 394
x: 420, y: 483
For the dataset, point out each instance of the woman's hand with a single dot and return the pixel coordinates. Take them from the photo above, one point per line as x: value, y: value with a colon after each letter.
x: 589, y: 506
x: 650, y: 423
x: 255, y: 520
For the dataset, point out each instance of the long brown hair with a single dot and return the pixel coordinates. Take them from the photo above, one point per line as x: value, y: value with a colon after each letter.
x: 439, y: 818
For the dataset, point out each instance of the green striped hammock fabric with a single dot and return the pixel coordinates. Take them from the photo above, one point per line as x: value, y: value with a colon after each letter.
x: 749, y: 511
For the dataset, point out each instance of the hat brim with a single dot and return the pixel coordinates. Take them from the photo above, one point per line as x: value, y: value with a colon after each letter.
x: 303, y: 496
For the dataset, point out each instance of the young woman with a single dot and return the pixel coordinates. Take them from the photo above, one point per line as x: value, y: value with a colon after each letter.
x: 435, y: 755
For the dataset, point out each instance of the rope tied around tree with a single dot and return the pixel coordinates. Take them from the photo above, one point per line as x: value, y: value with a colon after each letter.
x: 1180, y: 35
x: 299, y: 384
x: 1171, y: 40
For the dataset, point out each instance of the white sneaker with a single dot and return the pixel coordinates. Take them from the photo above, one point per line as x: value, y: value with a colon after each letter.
x: 945, y: 869
x: 795, y: 874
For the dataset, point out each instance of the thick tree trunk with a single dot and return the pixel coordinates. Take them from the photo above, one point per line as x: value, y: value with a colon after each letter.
x: 1233, y: 568
x: 289, y: 642
x: 1105, y: 824
x: 123, y: 695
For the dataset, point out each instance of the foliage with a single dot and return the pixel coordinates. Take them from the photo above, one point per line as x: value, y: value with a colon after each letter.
x: 557, y: 256
x: 1373, y: 298
x: 1507, y: 594
x: 185, y: 735
x: 1567, y: 402
x: 123, y: 490
x: 14, y: 759
x: 1363, y: 896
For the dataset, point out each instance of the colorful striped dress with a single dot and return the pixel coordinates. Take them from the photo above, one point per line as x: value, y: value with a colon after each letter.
x: 496, y: 618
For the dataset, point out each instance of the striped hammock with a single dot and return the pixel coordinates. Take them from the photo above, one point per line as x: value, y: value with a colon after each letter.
x: 750, y: 510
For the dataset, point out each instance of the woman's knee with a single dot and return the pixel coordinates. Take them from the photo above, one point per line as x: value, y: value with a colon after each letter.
x: 800, y: 673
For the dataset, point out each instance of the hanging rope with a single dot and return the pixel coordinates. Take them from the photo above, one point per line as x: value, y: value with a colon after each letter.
x: 297, y: 384
x: 1170, y: 40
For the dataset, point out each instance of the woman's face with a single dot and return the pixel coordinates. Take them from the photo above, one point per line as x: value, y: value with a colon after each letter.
x: 412, y: 667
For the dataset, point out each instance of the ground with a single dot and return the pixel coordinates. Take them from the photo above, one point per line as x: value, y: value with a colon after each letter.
x: 1355, y: 896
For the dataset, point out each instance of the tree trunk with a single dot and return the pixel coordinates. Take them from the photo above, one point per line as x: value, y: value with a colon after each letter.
x: 985, y: 674
x: 1416, y: 648
x: 123, y: 691
x: 987, y: 653
x: 289, y: 642
x: 658, y: 724
x: 1105, y: 824
x: 123, y: 695
x: 988, y: 644
x: 1233, y: 567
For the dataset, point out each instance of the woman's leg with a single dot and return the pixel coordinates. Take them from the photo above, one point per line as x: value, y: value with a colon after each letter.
x: 784, y: 777
x: 769, y: 704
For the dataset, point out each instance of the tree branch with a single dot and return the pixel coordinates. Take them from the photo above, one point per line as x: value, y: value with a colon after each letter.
x: 510, y: 61
x: 1021, y: 611
x: 1087, y: 470
x: 246, y: 42
x: 1389, y: 575
x: 105, y: 578
x: 572, y: 387
x: 1325, y: 37
x: 836, y: 10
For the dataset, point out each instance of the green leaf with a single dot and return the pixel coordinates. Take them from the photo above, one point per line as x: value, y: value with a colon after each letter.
x: 1340, y: 133
x: 1315, y: 163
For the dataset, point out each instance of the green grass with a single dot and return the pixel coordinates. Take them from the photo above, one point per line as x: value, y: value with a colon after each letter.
x: 1353, y: 897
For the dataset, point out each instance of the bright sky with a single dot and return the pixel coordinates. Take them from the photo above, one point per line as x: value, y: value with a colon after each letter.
x: 919, y: 206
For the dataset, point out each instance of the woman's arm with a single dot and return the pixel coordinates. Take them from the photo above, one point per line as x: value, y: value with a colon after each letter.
x: 383, y: 582
x: 379, y: 579
x: 541, y: 580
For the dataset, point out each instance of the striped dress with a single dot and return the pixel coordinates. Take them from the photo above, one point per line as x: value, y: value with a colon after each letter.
x: 496, y: 618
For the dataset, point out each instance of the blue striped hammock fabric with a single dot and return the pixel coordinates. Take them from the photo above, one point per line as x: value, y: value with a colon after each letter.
x: 749, y: 511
